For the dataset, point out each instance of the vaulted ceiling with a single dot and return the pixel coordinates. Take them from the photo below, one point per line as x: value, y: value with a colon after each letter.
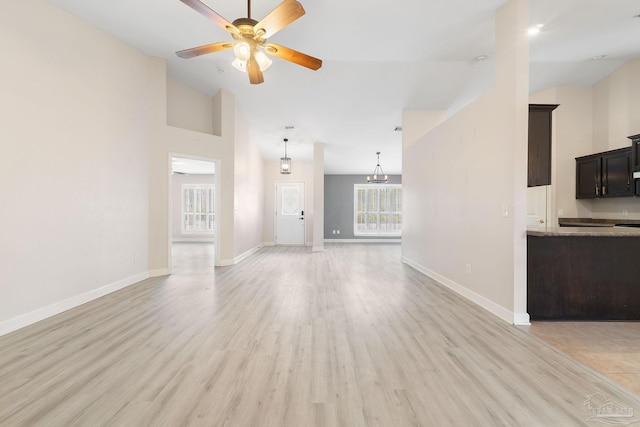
x: 379, y: 58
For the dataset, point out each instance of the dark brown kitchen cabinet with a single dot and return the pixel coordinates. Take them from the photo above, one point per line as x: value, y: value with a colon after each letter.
x: 604, y: 175
x: 583, y: 277
x: 617, y: 175
x: 588, y: 175
x: 635, y: 152
x: 539, y: 160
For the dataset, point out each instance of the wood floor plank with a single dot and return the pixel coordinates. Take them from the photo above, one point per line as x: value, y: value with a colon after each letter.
x: 289, y: 337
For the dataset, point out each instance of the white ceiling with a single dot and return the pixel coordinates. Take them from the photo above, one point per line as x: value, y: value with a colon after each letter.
x: 379, y: 58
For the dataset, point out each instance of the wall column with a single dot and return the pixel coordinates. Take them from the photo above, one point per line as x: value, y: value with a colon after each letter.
x: 318, y: 197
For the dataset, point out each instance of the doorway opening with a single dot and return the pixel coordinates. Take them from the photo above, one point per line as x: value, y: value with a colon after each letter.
x: 193, y: 213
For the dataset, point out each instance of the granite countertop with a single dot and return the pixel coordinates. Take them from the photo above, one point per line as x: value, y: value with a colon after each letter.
x: 595, y: 222
x: 585, y: 231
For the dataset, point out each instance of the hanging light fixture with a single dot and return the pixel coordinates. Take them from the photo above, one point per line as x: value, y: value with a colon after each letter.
x: 378, y: 174
x: 285, y: 162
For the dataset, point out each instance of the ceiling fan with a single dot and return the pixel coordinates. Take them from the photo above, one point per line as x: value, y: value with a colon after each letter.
x: 251, y: 39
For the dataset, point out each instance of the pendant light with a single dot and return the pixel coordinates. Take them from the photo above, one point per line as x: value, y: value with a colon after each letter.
x: 285, y: 162
x: 378, y: 174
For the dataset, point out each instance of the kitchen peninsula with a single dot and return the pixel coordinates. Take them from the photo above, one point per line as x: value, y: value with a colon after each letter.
x: 586, y: 272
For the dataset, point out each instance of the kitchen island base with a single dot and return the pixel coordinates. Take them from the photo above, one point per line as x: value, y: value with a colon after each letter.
x: 583, y: 277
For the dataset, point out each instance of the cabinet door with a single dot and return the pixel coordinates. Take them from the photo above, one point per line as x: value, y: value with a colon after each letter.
x: 635, y: 152
x: 588, y: 177
x: 616, y: 173
x: 539, y: 160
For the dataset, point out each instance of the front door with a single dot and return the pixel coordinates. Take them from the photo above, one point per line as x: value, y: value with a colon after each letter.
x: 290, y: 213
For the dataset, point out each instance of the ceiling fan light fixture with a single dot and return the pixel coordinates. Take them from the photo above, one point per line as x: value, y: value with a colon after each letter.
x: 263, y: 61
x: 250, y: 39
x: 242, y: 50
x: 240, y: 65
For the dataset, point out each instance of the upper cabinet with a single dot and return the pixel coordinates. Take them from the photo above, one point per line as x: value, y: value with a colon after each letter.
x: 635, y: 152
x: 539, y: 160
x: 607, y: 174
x: 588, y: 176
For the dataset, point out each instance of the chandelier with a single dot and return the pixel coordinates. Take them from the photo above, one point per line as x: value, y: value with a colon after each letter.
x: 378, y: 174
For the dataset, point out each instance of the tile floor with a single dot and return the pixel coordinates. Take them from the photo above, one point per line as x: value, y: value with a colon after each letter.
x: 610, y: 348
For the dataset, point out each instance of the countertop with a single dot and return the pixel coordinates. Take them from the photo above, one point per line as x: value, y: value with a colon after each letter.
x: 585, y: 231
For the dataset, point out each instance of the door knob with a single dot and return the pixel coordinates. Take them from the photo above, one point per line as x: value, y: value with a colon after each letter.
x: 542, y: 221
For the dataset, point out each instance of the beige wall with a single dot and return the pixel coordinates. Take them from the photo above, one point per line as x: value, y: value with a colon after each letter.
x: 189, y: 109
x: 248, y: 192
x: 417, y: 123
x: 86, y: 164
x: 464, y: 185
x: 73, y: 171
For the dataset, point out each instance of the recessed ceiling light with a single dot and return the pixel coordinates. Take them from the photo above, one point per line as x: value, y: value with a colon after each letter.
x: 598, y: 57
x: 535, y: 29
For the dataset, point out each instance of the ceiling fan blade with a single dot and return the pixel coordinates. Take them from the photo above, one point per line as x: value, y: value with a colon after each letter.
x: 208, y: 13
x: 284, y: 14
x: 203, y: 50
x: 253, y: 69
x: 293, y: 56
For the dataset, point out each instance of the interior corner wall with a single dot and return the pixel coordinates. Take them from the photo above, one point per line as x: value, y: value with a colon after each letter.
x: 339, y: 205
x: 301, y: 171
x: 464, y: 185
x: 74, y: 167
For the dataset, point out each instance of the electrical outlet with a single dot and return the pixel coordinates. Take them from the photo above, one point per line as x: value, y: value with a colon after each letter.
x: 333, y: 231
x: 560, y: 212
x: 338, y: 231
x: 468, y: 268
x: 505, y: 211
x: 625, y: 212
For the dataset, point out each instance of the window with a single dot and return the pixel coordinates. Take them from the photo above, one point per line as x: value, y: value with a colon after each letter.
x: 377, y: 210
x: 197, y: 208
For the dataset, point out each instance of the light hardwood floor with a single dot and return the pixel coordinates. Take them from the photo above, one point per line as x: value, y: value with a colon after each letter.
x: 289, y: 337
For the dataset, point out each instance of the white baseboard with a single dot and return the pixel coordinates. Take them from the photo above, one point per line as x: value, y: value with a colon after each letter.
x: 246, y: 254
x: 521, y: 319
x: 192, y: 240
x: 269, y: 244
x: 159, y: 272
x: 39, y: 314
x: 487, y: 304
x: 317, y: 249
x: 363, y: 240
